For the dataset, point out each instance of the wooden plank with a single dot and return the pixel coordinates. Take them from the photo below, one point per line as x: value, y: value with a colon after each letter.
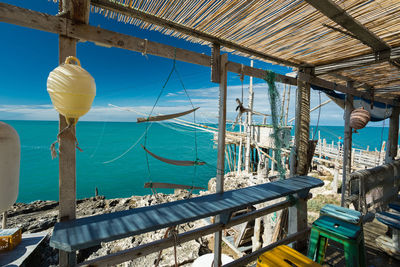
x: 135, y: 13
x: 32, y: 19
x: 171, y: 186
x: 391, y: 219
x: 166, y: 117
x: 221, y: 151
x: 155, y: 246
x: 174, y: 162
x: 90, y: 231
x: 341, y: 17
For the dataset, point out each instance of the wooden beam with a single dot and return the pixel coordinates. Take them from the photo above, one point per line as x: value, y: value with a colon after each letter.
x: 357, y: 61
x: 221, y: 151
x: 393, y: 136
x: 341, y: 17
x: 40, y: 21
x: 144, y: 16
x: 344, y: 89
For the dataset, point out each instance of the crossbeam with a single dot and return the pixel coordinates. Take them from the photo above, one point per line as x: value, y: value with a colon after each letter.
x: 45, y: 22
x: 341, y: 17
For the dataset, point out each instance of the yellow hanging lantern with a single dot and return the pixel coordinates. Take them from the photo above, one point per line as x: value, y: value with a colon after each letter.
x: 71, y: 89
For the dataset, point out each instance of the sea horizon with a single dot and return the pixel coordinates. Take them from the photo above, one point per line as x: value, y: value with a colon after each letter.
x: 114, y: 162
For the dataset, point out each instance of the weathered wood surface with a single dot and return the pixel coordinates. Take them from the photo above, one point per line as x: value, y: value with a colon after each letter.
x: 90, y: 231
x: 170, y: 186
x: 166, y: 117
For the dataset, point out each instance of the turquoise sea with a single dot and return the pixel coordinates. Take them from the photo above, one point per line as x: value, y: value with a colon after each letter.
x: 104, y: 165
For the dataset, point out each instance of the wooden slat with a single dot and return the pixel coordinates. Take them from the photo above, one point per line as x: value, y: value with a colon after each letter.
x: 147, y: 17
x: 171, y: 186
x: 166, y: 117
x: 174, y: 162
x: 91, y: 231
x: 341, y: 17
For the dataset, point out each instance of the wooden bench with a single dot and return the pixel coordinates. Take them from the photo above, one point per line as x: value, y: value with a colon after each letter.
x: 392, y: 220
x: 90, y: 231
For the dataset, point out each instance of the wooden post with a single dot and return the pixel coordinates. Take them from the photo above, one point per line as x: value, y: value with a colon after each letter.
x: 221, y: 152
x: 302, y: 124
x: 298, y: 219
x: 347, y: 142
x: 298, y: 212
x: 393, y: 137
x: 215, y: 63
x: 4, y: 220
x: 249, y: 121
x: 77, y: 11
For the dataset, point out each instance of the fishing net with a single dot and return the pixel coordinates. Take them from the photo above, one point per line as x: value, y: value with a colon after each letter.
x: 274, y: 101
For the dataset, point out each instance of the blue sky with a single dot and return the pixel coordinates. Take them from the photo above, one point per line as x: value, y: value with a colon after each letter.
x: 123, y: 78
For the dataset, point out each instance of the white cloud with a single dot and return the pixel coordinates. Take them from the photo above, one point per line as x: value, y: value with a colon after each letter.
x: 205, y: 98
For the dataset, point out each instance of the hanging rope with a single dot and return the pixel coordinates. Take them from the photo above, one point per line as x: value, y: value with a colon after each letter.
x: 274, y: 103
x: 53, y: 145
x: 196, y: 160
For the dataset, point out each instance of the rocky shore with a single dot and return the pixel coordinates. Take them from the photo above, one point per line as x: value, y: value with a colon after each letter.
x: 41, y: 216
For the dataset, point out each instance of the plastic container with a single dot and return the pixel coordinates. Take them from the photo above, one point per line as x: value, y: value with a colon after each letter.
x: 10, y: 238
x: 71, y: 89
x: 10, y: 151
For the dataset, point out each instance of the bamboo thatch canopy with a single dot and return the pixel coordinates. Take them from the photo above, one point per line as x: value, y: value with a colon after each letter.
x: 349, y: 37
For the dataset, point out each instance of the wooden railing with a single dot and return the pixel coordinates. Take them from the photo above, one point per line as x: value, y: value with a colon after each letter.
x: 86, y: 232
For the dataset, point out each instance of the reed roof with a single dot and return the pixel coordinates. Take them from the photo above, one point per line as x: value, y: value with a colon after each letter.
x: 291, y: 30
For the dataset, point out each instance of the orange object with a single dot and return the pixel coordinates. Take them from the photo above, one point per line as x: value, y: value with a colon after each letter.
x: 283, y: 256
x: 10, y: 238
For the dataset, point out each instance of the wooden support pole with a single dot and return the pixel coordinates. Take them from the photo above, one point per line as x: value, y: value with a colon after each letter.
x: 215, y: 63
x: 78, y: 11
x: 298, y: 219
x: 249, y: 122
x: 393, y: 137
x: 347, y: 143
x: 221, y: 152
x: 302, y: 124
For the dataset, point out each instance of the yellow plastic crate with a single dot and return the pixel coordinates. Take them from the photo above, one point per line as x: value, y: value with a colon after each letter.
x: 10, y: 238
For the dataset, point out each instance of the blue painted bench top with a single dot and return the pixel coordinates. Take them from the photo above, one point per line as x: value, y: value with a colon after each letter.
x: 391, y: 219
x: 90, y: 231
